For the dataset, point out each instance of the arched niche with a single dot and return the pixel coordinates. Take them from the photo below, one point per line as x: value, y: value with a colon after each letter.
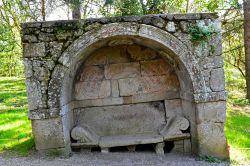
x: 172, y: 50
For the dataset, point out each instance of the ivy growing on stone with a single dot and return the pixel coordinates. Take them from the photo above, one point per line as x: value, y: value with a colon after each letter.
x: 201, y: 33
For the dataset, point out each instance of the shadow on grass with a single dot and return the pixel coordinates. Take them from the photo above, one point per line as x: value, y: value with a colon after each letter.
x: 16, y: 99
x: 22, y: 148
x: 9, y: 115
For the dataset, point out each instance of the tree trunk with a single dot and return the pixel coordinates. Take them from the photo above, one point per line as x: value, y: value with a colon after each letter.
x: 76, y: 9
x: 43, y: 10
x: 187, y: 6
x: 247, y: 43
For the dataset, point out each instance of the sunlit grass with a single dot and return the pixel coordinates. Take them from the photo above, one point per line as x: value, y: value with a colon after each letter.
x: 237, y: 126
x: 15, y: 128
x: 237, y: 130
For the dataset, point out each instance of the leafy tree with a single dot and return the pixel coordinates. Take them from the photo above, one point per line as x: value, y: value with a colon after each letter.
x: 12, y: 13
x: 247, y: 42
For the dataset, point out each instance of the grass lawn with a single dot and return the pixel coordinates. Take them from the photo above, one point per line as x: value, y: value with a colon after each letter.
x: 15, y: 128
x: 237, y: 130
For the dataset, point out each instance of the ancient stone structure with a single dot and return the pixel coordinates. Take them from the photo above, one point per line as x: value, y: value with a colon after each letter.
x: 126, y: 81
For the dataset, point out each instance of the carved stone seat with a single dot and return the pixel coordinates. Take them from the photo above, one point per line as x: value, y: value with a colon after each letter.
x: 173, y: 130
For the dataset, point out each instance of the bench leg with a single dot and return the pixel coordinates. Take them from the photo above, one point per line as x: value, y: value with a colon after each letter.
x: 178, y: 146
x: 85, y: 150
x: 131, y: 148
x: 105, y: 150
x: 159, y: 148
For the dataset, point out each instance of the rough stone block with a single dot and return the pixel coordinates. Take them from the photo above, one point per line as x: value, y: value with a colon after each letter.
x: 153, y: 96
x: 91, y: 73
x: 184, y: 26
x: 122, y: 70
x: 34, y: 50
x: 211, y: 111
x: 38, y: 114
x: 212, y: 62
x: 112, y: 101
x: 215, y: 44
x: 115, y: 88
x: 50, y: 64
x: 132, y: 86
x: 146, y: 19
x: 97, y: 102
x: 92, y: 90
x: 98, y: 57
x: 63, y: 34
x: 155, y: 67
x: 48, y: 133
x: 55, y: 85
x: 212, y: 140
x: 46, y: 37
x: 158, y: 22
x: 167, y: 16
x: 29, y: 38
x: 55, y: 49
x: 187, y: 16
x: 201, y: 51
x: 217, y: 80
x: 173, y: 107
x: 138, y: 54
x: 28, y: 68
x: 211, y: 96
x: 117, y: 54
x: 170, y: 27
x: 129, y: 119
x: 34, y: 93
x: 41, y: 73
x: 139, y: 98
x: 30, y: 25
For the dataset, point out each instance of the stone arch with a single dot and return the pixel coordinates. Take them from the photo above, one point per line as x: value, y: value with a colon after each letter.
x: 92, y: 40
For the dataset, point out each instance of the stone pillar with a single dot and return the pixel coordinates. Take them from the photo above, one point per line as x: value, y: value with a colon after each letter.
x: 52, y: 134
x: 210, y: 128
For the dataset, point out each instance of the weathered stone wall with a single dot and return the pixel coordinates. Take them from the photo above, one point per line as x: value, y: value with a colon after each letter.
x: 133, y: 81
x: 54, y: 51
x: 125, y: 74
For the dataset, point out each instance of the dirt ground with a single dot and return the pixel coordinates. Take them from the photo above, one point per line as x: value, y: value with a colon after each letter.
x: 110, y: 159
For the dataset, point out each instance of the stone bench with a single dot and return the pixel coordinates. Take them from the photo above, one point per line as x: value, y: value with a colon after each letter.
x: 173, y: 131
